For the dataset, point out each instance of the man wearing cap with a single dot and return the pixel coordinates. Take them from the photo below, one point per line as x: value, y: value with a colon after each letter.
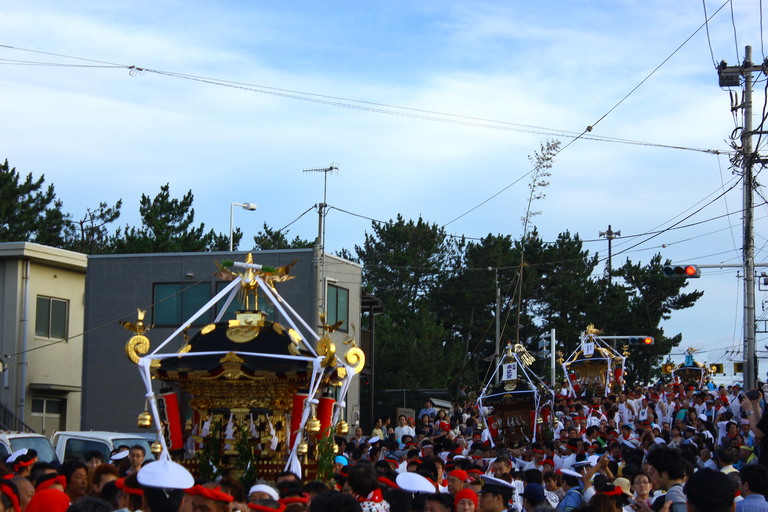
x: 164, y: 483
x: 573, y: 497
x: 495, y: 494
x: 456, y: 479
x: 466, y: 500
x: 533, y: 496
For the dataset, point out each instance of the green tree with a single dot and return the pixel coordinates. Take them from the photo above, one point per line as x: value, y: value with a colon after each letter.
x: 29, y: 212
x: 466, y: 300
x: 403, y: 262
x: 568, y: 298
x: 651, y: 299
x: 167, y: 225
x: 269, y: 238
x: 90, y: 234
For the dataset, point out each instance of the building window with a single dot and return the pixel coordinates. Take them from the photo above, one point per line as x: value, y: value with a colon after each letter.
x: 48, y: 414
x: 51, y: 318
x: 264, y: 304
x: 338, y: 307
x: 174, y: 303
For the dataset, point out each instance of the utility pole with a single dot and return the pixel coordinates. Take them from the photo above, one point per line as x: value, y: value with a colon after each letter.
x: 750, y: 364
x: 497, y: 350
x: 731, y: 77
x: 319, y: 249
x: 610, y: 235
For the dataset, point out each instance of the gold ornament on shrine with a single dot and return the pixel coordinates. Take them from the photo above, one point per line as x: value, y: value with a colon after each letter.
x: 342, y: 428
x: 303, y: 448
x: 156, y: 448
x: 313, y: 425
x: 145, y: 420
x: 138, y: 345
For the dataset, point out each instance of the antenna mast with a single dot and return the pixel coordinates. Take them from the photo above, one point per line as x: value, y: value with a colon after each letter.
x: 322, y: 206
x: 319, y: 251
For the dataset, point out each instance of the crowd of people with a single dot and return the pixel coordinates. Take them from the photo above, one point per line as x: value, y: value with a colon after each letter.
x: 668, y: 448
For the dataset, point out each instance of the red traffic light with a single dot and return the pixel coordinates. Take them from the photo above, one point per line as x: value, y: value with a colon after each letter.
x: 641, y: 340
x: 682, y: 271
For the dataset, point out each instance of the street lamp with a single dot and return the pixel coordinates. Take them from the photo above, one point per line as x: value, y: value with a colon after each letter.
x: 246, y: 206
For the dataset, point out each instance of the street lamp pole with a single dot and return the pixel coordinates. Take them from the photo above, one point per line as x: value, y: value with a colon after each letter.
x: 245, y: 206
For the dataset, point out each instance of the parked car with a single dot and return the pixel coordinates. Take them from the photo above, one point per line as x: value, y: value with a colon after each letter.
x: 78, y: 443
x: 11, y: 441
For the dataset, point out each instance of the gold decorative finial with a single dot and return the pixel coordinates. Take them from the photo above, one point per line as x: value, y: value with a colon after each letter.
x: 138, y: 345
x: 526, y: 358
x: 138, y: 327
x: 592, y: 330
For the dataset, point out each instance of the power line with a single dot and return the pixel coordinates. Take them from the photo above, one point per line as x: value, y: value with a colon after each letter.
x: 368, y: 106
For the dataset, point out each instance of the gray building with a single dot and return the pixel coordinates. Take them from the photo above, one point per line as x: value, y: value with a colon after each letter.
x: 170, y: 288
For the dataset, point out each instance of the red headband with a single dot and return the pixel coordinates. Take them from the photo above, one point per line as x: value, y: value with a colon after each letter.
x: 120, y: 484
x: 536, y: 450
x: 9, y: 490
x: 386, y: 481
x: 50, y: 482
x: 19, y: 465
x: 214, y: 494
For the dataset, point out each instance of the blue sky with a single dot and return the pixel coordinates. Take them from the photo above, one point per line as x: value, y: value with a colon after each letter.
x: 100, y: 134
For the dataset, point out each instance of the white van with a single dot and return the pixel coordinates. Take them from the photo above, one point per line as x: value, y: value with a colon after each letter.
x: 78, y: 443
x: 11, y: 441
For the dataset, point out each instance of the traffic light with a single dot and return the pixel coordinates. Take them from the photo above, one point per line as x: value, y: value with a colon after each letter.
x: 716, y: 368
x: 738, y: 367
x: 641, y: 340
x: 682, y: 271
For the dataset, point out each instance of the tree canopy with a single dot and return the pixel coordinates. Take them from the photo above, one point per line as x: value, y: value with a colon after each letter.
x: 440, y: 294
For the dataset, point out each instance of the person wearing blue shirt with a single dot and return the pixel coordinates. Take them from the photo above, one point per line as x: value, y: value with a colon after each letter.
x: 429, y: 410
x: 573, y: 498
x: 753, y: 487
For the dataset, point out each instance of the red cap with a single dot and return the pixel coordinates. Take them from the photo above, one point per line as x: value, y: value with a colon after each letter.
x: 459, y: 473
x: 466, y: 494
x: 49, y: 500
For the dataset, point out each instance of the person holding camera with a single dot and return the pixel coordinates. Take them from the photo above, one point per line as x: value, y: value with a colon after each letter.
x: 758, y: 422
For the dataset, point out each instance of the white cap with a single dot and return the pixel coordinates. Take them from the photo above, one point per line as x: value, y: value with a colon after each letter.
x: 266, y: 489
x: 373, y: 440
x: 15, y: 455
x: 569, y: 472
x: 165, y: 474
x: 120, y: 455
x: 659, y: 440
x: 415, y: 483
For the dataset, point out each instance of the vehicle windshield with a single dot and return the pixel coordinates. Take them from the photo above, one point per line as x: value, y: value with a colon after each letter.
x: 41, y: 445
x: 131, y: 441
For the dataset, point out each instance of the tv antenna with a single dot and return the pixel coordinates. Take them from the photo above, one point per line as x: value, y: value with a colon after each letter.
x: 320, y: 241
x: 321, y: 208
